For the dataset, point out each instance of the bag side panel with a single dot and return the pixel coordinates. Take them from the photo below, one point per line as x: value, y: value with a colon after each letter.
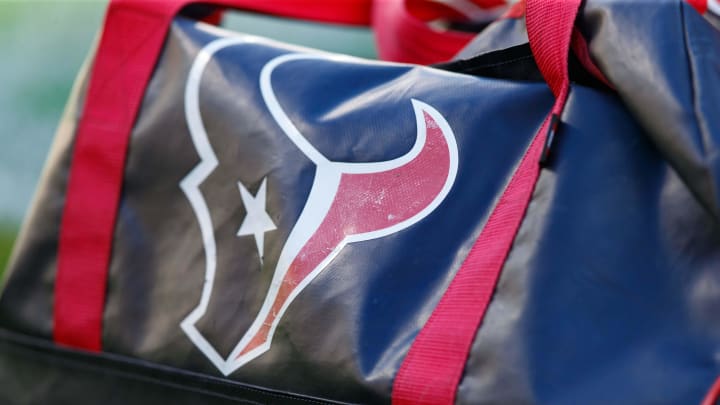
x: 346, y: 333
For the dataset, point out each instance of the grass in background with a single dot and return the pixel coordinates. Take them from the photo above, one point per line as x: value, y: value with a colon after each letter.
x: 37, y: 70
x: 7, y: 238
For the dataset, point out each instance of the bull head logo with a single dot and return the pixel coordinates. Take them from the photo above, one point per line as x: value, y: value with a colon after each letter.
x: 348, y: 203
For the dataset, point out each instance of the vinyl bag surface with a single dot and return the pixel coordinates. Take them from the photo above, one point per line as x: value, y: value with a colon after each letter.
x: 228, y: 219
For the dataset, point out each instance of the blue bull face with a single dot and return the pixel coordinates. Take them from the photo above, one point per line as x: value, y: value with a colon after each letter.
x: 347, y: 202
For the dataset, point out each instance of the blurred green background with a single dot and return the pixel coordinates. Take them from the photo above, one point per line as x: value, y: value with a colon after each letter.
x: 43, y: 44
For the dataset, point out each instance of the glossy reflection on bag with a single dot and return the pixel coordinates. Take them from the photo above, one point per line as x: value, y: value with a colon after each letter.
x: 228, y: 218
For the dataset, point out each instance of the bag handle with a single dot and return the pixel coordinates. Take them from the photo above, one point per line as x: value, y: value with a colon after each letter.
x: 351, y: 12
x: 130, y: 44
x: 131, y: 41
x: 713, y: 395
x: 550, y: 25
x: 433, y: 367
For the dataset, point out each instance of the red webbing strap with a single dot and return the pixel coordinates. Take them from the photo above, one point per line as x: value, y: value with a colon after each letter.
x: 713, y: 395
x: 128, y: 49
x: 131, y: 42
x: 433, y: 367
x: 401, y: 37
x: 550, y: 24
x: 700, y: 5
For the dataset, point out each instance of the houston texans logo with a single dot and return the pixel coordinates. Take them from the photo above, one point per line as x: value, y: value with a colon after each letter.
x: 714, y: 6
x: 348, y: 203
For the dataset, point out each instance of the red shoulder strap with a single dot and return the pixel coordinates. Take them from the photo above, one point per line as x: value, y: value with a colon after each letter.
x: 433, y: 367
x: 713, y: 395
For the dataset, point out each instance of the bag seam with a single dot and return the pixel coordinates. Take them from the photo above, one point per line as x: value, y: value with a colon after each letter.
x: 21, y: 342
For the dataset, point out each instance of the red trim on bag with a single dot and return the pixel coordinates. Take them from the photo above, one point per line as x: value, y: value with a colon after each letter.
x: 578, y: 45
x: 131, y: 42
x: 713, y: 394
x: 419, y: 42
x: 580, y: 49
x: 216, y: 17
x: 425, y: 10
x: 429, y: 10
x: 700, y: 5
x: 431, y: 372
x: 128, y: 49
x: 517, y: 10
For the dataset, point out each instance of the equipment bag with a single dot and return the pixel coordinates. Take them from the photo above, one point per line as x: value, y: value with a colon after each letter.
x: 224, y: 218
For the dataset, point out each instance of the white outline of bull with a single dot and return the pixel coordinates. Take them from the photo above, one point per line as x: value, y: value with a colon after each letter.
x: 714, y: 7
x: 322, y: 194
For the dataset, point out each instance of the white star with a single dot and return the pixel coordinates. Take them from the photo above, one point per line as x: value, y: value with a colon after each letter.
x: 257, y: 221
